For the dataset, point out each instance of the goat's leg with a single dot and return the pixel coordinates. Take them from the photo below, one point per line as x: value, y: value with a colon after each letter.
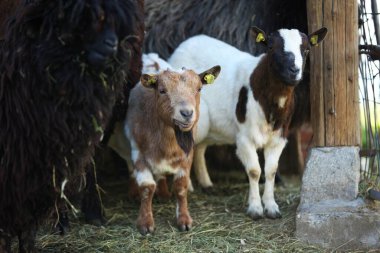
x: 181, y: 181
x: 200, y: 167
x: 191, y: 187
x: 26, y: 240
x: 247, y: 154
x: 272, y: 155
x: 5, y: 243
x: 147, y: 186
x: 133, y: 188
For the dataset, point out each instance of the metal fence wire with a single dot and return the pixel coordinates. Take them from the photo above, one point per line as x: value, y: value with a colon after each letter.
x: 369, y: 83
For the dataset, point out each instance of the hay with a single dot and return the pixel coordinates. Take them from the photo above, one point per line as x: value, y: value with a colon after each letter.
x: 220, y: 225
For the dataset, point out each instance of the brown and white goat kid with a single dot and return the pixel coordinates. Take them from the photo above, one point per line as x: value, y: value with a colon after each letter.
x: 161, y: 120
x: 252, y: 104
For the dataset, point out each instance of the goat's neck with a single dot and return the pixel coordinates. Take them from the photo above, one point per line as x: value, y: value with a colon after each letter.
x: 275, y: 97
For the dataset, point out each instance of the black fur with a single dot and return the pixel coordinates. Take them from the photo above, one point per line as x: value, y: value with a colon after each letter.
x: 53, y: 104
x: 241, y: 106
x: 184, y: 139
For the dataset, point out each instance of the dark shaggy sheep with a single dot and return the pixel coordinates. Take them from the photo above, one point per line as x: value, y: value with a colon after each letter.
x: 7, y: 7
x: 63, y: 66
x: 91, y: 203
x: 168, y: 23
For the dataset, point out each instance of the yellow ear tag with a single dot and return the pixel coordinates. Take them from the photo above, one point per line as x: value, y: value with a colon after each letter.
x: 260, y: 37
x: 314, y: 40
x: 209, y: 78
x: 151, y: 80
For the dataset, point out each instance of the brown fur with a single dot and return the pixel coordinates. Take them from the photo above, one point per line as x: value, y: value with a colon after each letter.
x: 154, y: 126
x: 267, y: 89
x: 145, y: 222
x: 184, y: 220
x: 159, y: 111
x: 156, y: 139
x: 162, y: 190
x: 241, y: 106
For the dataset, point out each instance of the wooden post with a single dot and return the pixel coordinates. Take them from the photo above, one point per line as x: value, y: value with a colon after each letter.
x: 334, y: 73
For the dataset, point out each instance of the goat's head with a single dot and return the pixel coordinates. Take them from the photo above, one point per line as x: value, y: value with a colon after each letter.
x: 177, y: 95
x: 92, y: 31
x: 287, y: 51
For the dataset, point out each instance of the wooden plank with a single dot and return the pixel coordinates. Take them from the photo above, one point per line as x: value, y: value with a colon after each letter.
x: 352, y: 61
x: 340, y: 84
x: 334, y: 73
x: 328, y: 63
x: 315, y: 21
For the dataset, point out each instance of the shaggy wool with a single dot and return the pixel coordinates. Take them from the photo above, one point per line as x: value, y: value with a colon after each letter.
x: 54, y: 104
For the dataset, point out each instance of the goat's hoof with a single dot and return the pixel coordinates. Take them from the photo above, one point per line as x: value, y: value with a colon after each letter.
x: 184, y: 223
x: 255, y: 215
x: 255, y: 212
x: 272, y: 214
x: 184, y: 227
x: 271, y: 209
x: 145, y: 225
x: 145, y: 229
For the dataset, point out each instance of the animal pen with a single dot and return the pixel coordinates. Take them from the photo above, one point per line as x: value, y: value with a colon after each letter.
x: 344, y: 94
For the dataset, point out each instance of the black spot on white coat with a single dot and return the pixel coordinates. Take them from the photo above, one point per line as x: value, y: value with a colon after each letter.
x: 241, y: 106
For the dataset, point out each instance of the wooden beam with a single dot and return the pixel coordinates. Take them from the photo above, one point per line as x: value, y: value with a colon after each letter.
x: 334, y: 73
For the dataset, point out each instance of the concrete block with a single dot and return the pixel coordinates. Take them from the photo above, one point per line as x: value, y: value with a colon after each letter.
x: 331, y: 173
x: 330, y: 214
x: 338, y: 224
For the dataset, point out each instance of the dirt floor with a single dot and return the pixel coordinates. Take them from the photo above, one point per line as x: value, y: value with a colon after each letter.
x: 220, y: 223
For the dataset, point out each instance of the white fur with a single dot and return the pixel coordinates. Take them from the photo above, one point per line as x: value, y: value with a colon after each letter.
x: 292, y: 43
x: 282, y: 101
x: 144, y: 177
x: 163, y: 167
x: 180, y: 173
x: 150, y: 61
x: 218, y: 123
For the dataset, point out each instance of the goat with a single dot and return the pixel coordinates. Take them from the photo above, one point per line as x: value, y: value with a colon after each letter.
x: 253, y: 104
x: 152, y: 64
x: 187, y: 20
x: 63, y: 65
x: 161, y: 120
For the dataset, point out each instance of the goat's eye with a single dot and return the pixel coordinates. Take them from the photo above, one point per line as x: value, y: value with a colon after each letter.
x: 162, y: 91
x: 199, y: 89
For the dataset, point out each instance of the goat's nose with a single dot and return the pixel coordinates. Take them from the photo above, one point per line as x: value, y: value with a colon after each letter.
x: 187, y: 114
x: 294, y: 70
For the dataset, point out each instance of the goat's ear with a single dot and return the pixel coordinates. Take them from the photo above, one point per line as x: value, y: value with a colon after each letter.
x: 259, y: 35
x: 149, y: 81
x: 209, y: 76
x: 317, y: 36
